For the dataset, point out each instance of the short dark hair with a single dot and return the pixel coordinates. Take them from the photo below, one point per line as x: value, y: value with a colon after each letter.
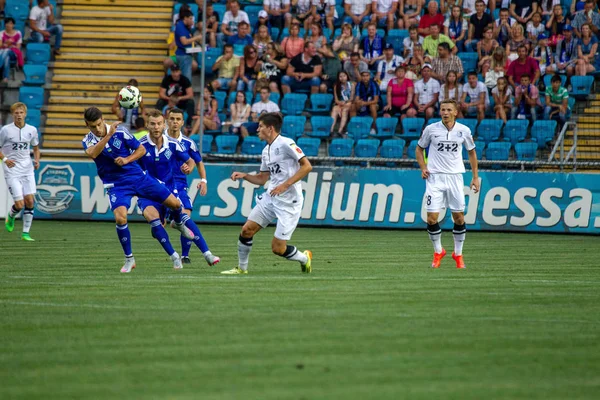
x: 556, y: 78
x: 139, y: 123
x: 92, y: 114
x: 472, y: 73
x: 175, y: 111
x: 9, y: 19
x: 526, y: 76
x: 445, y: 46
x: 273, y: 120
x: 133, y: 82
x: 355, y: 54
x: 521, y: 46
x: 243, y: 23
x: 185, y: 14
x: 227, y: 46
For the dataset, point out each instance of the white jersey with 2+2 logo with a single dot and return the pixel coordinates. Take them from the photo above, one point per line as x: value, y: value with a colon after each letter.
x: 280, y: 159
x: 445, y: 147
x: 16, y: 144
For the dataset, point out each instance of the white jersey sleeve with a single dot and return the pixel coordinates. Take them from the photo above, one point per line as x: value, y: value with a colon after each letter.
x: 469, y: 143
x: 2, y: 137
x: 35, y: 140
x: 425, y: 138
x: 295, y: 152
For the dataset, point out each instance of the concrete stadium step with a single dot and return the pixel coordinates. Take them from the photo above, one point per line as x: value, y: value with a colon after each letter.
x: 96, y: 87
x: 65, y: 137
x: 90, y: 57
x: 583, y: 156
x: 121, y: 9
x: 113, y: 50
x: 69, y: 115
x: 73, y: 109
x: 71, y: 24
x: 111, y: 34
x: 95, y: 66
x: 120, y: 3
x: 124, y: 30
x: 117, y: 75
x: 593, y: 119
x: 584, y: 126
x: 118, y: 14
x: 590, y: 149
x: 64, y: 122
x: 61, y: 156
x: 583, y: 142
x: 111, y: 79
x: 91, y: 101
x: 63, y: 144
x: 110, y: 44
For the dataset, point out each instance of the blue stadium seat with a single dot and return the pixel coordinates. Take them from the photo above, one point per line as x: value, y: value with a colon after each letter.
x: 341, y: 148
x: 293, y: 126
x: 310, y: 146
x: 35, y: 74
x: 515, y: 130
x: 207, y: 141
x: 412, y: 128
x: 469, y: 60
x: 38, y: 53
x: 469, y: 123
x: 220, y: 96
x: 411, y: 151
x: 393, y: 148
x: 227, y: 144
x: 275, y: 33
x: 19, y: 10
x: 396, y: 38
x: 210, y: 58
x: 526, y: 151
x: 571, y: 106
x: 321, y: 127
x: 581, y: 86
x: 497, y: 151
x: 359, y: 127
x: 293, y: 103
x: 274, y: 97
x: 479, y: 147
x: 542, y: 132
x: 433, y: 121
x: 32, y: 96
x: 548, y: 78
x: 320, y: 103
x: 252, y: 145
x: 386, y: 128
x: 220, y: 9
x: 253, y: 10
x: 339, y: 8
x: 489, y: 130
x: 366, y: 148
x: 34, y: 118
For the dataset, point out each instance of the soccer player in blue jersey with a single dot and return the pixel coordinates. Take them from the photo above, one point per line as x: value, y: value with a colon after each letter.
x: 175, y: 123
x: 169, y: 162
x: 115, y: 153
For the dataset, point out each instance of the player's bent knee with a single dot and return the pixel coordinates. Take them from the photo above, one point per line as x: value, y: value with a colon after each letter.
x: 278, y: 246
x: 432, y: 218
x: 19, y: 205
x: 249, y: 229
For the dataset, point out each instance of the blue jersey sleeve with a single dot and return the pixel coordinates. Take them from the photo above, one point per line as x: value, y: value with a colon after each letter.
x: 180, y: 153
x: 130, y: 141
x: 193, y: 152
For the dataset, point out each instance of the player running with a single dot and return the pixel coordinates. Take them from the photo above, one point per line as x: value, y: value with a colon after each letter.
x: 285, y: 163
x: 165, y: 157
x: 16, y: 141
x: 443, y: 172
x: 175, y: 123
x: 115, y: 151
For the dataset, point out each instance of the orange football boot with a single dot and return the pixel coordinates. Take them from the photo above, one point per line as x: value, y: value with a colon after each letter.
x: 437, y: 259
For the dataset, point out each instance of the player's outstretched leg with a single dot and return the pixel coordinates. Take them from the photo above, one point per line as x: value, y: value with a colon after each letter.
x: 27, y: 218
x: 10, y: 218
x: 160, y: 234
x: 186, y: 245
x: 124, y: 238
x: 199, y: 241
x: 459, y: 232
x: 291, y: 253
x: 245, y: 240
x: 173, y: 204
x: 435, y: 234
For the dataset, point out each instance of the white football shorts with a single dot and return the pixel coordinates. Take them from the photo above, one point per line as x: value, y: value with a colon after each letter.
x: 445, y: 191
x: 20, y: 186
x: 287, y: 214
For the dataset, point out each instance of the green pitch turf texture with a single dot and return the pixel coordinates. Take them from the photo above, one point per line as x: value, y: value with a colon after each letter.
x: 373, y: 321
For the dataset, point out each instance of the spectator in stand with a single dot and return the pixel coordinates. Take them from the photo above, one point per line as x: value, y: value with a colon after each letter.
x: 431, y: 43
x: 279, y: 13
x: 264, y: 105
x: 11, y: 48
x: 293, y: 44
x: 535, y: 27
x: 546, y: 7
x: 523, y: 10
x: 524, y: 65
x: 243, y: 35
x: 479, y: 99
x: 386, y: 70
x: 576, y: 6
x: 542, y: 53
x: 412, y: 39
x: 498, y: 67
x: 415, y: 63
x: 128, y: 116
x: 384, y: 13
x: 345, y: 44
x: 227, y: 66
x: 301, y: 13
x: 366, y: 99
x: 262, y: 40
x: 247, y: 70
x: 468, y: 7
x: 371, y: 47
x: 400, y: 93
x: 485, y: 49
x: 587, y: 51
x: 324, y: 10
x: 41, y: 23
x: 272, y: 68
x: 518, y: 39
x: 184, y: 40
x: 263, y: 20
x: 456, y: 28
x: 557, y: 100
x: 427, y: 92
x: 526, y: 100
x: 212, y: 24
x: 358, y: 13
x: 304, y: 71
x: 432, y: 17
x: 587, y: 16
x: 178, y: 89
x: 503, y: 27
x: 354, y: 67
x: 139, y: 128
x: 556, y: 25
x: 445, y: 62
x: 410, y: 13
x: 239, y: 112
x: 451, y: 90
x: 210, y: 116
x: 231, y: 20
x: 477, y: 22
x: 177, y: 16
x: 343, y: 94
x: 566, y: 52
x: 318, y: 39
x: 331, y: 68
x: 503, y: 99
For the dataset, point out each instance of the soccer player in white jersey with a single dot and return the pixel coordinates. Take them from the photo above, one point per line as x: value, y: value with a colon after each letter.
x: 285, y: 163
x: 443, y: 172
x: 16, y: 141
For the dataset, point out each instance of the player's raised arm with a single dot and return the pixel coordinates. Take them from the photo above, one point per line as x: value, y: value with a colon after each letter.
x: 305, y: 168
x: 94, y: 150
x: 259, y: 179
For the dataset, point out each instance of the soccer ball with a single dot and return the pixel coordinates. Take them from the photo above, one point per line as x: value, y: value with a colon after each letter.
x: 130, y: 97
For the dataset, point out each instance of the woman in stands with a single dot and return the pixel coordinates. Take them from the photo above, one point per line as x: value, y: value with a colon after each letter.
x: 451, y: 90
x: 272, y: 67
x: 320, y: 41
x: 262, y: 40
x: 11, y: 48
x: 210, y: 116
x: 456, y: 27
x: 587, y: 51
x: 240, y: 112
x: 503, y: 99
x: 556, y: 25
x: 293, y: 44
x: 345, y: 44
x: 518, y: 38
x: 343, y: 92
x: 409, y: 12
x: 498, y: 67
x: 247, y: 69
x: 485, y: 49
x: 414, y: 63
x: 400, y: 92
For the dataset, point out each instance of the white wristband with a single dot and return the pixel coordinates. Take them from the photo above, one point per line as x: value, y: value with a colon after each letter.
x: 202, y: 180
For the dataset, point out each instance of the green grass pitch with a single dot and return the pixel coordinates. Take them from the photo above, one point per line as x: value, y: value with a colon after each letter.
x: 373, y: 321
